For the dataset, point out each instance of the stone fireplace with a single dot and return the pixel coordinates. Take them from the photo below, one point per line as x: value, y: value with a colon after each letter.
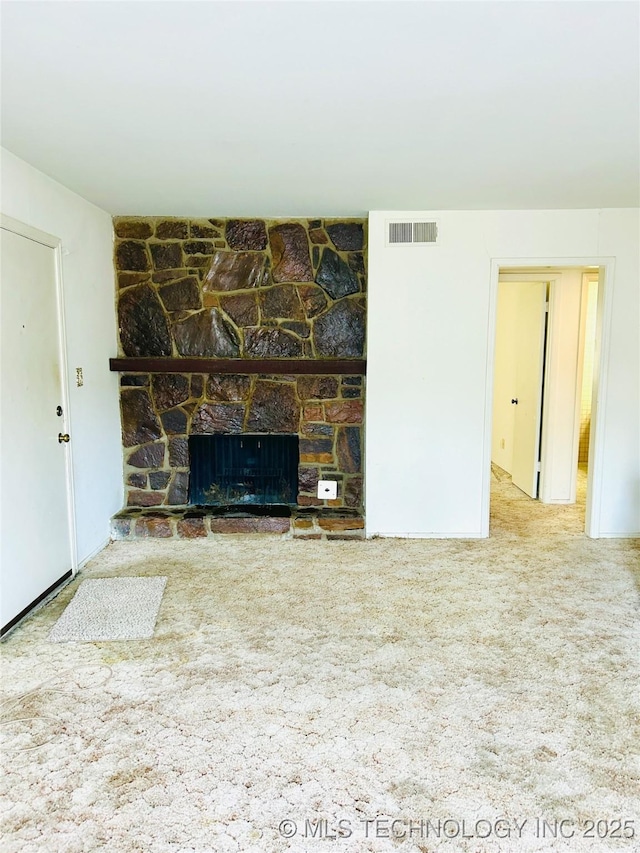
x: 243, y: 297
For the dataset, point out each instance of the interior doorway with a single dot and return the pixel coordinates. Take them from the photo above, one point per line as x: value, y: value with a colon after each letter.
x: 545, y: 371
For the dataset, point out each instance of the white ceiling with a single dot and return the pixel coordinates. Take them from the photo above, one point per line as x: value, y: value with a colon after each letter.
x: 326, y: 108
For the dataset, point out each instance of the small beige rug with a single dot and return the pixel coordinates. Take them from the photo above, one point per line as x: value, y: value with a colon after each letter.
x: 111, y: 609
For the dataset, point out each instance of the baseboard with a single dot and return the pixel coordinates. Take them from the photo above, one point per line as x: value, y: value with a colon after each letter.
x: 40, y: 601
x: 83, y: 562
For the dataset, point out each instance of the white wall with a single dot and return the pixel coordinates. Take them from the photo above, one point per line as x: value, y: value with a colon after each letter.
x: 504, y: 384
x: 429, y: 348
x: 88, y: 280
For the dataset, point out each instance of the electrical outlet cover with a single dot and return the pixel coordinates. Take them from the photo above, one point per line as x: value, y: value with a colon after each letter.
x: 327, y: 489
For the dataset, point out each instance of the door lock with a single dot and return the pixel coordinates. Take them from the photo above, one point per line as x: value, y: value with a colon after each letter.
x: 63, y: 437
x: 515, y: 401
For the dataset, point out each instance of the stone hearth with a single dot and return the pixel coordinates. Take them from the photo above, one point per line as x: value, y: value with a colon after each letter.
x: 196, y: 523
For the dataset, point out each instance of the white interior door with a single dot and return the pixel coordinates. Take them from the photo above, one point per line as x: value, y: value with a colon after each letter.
x: 529, y: 367
x: 36, y: 549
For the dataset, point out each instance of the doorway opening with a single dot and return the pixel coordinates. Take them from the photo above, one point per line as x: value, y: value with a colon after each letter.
x: 545, y: 387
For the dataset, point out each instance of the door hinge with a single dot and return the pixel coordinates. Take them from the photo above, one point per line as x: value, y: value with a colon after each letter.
x: 538, y: 467
x: 546, y: 307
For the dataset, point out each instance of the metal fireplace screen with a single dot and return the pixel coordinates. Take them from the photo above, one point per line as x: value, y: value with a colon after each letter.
x: 229, y: 470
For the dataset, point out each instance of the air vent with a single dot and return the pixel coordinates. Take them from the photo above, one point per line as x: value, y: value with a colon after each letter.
x: 412, y: 233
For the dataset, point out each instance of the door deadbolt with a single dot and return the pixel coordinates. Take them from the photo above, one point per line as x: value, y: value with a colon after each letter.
x: 515, y: 401
x: 63, y: 437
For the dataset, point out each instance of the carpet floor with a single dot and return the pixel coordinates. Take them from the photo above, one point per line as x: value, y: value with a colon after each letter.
x: 413, y: 695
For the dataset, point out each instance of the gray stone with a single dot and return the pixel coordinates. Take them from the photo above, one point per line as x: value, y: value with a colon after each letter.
x: 144, y: 330
x: 339, y: 332
x: 335, y: 276
x: 174, y: 422
x: 346, y: 236
x: 179, y: 452
x: 159, y: 479
x: 149, y: 456
x: 348, y: 449
x: 179, y: 489
x: 206, y: 334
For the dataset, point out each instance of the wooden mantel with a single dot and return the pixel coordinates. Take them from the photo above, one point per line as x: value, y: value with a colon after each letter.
x: 273, y: 366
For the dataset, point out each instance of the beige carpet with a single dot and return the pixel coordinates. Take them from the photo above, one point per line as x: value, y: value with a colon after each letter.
x: 441, y: 681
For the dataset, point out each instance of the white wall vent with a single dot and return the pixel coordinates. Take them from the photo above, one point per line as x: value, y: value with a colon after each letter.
x: 412, y: 233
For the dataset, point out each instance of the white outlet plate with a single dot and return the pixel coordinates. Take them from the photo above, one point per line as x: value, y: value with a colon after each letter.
x: 327, y: 489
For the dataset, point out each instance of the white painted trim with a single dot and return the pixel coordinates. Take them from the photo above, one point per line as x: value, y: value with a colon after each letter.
x: 601, y: 365
x: 476, y: 535
x: 52, y: 242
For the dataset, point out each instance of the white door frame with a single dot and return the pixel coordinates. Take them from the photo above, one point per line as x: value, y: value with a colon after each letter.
x: 606, y: 266
x: 24, y: 230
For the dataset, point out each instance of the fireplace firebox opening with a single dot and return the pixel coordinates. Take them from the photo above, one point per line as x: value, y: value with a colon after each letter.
x: 243, y: 470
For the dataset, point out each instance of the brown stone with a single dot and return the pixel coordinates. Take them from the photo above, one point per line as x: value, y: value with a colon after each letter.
x: 132, y: 256
x: 307, y: 500
x: 149, y: 456
x: 137, y: 229
x: 139, y: 422
x: 169, y: 390
x: 341, y: 523
x: 198, y: 247
x: 139, y: 498
x: 134, y: 379
x: 179, y: 452
x: 242, y: 308
x: 218, y: 417
x: 317, y: 387
x: 174, y: 422
x: 228, y: 387
x: 271, y: 343
x: 246, y: 234
x: 235, y: 271
x: 281, y: 301
x: 312, y: 412
x: 348, y: 449
x: 172, y: 229
x: 153, y: 527
x: 137, y: 479
x: 290, y: 251
x: 313, y: 299
x: 159, y: 479
x: 206, y: 334
x: 307, y: 536
x: 346, y: 236
x: 144, y: 330
x: 201, y: 262
x: 273, y: 408
x: 307, y: 479
x: 166, y: 256
x: 181, y: 295
x: 303, y: 524
x: 254, y: 524
x: 303, y: 330
x: 339, y: 332
x: 344, y: 412
x: 129, y: 279
x: 335, y: 276
x: 179, y: 488
x: 353, y: 492
x: 315, y: 446
x: 164, y: 276
x: 317, y: 235
x: 351, y: 536
x: 356, y: 262
x: 197, y: 385
x: 191, y: 528
x: 203, y: 229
